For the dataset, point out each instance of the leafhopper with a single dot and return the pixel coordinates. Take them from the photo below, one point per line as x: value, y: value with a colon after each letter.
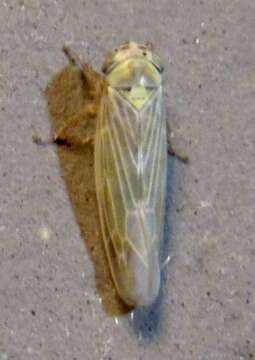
x: 130, y: 161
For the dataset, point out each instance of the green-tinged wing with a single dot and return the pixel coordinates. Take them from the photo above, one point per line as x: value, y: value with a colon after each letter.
x: 130, y: 165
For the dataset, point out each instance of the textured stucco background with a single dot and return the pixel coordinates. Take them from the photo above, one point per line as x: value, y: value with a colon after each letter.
x: 49, y: 304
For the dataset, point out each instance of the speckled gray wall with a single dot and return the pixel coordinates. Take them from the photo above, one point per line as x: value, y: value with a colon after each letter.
x: 49, y: 306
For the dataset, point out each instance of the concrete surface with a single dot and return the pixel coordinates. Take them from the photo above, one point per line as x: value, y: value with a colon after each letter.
x: 49, y: 304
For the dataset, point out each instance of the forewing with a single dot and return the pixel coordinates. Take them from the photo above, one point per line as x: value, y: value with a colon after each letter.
x: 154, y: 149
x: 116, y: 174
x: 130, y: 162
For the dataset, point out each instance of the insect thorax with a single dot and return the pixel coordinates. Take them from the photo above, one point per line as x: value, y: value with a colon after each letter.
x: 136, y: 79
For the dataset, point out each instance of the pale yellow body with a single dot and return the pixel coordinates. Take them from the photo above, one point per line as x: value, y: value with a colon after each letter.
x: 130, y: 170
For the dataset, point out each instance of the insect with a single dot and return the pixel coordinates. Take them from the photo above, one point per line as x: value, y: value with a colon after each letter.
x: 130, y: 165
x: 130, y: 170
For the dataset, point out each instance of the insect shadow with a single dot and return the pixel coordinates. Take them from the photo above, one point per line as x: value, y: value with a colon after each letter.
x: 147, y: 321
x: 66, y: 94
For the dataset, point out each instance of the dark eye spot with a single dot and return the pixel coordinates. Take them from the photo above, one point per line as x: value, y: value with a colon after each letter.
x: 144, y: 53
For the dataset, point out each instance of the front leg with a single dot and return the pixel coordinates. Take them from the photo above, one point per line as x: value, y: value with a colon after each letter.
x: 95, y: 87
x: 94, y: 81
x: 65, y: 135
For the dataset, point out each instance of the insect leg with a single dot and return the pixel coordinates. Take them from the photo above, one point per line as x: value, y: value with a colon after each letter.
x: 171, y: 151
x: 64, y: 135
x: 166, y: 262
x: 94, y: 80
x: 95, y: 86
x: 180, y: 156
x: 73, y: 57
